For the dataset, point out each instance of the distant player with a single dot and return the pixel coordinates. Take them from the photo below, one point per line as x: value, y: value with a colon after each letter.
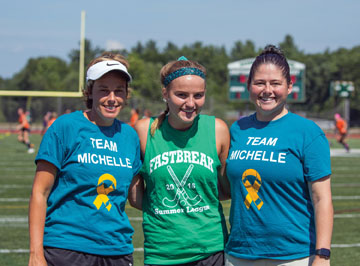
x: 45, y: 122
x: 341, y: 128
x: 52, y: 119
x: 24, y: 130
x: 134, y: 116
x: 147, y: 113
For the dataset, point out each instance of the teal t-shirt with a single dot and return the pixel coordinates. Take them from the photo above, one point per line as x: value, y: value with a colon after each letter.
x: 95, y: 166
x: 183, y: 218
x: 269, y: 167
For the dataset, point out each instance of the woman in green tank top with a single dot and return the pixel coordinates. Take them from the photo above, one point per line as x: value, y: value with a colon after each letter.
x: 184, y: 157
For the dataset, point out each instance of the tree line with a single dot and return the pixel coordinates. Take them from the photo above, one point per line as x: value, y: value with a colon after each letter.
x: 146, y: 59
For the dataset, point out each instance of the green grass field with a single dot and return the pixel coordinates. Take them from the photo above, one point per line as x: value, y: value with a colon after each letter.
x: 17, y: 172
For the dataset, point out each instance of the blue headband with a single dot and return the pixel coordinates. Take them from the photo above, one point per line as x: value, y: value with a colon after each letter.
x: 183, y: 72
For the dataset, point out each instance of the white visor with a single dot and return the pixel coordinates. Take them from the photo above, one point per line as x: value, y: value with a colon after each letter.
x: 99, y: 69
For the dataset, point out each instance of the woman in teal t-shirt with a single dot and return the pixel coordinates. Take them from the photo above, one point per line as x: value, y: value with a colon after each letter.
x: 279, y: 170
x: 85, y: 165
x: 184, y: 155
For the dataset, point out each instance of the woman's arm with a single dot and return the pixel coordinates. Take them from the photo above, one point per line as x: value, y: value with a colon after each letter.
x: 142, y: 129
x: 43, y: 182
x: 136, y: 192
x: 136, y: 189
x: 324, y: 215
x: 222, y: 145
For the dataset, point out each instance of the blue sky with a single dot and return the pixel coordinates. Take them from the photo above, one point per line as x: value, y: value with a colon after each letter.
x: 29, y: 29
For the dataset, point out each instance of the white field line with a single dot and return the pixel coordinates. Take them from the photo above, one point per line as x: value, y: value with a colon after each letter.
x: 347, y: 215
x: 18, y: 169
x: 345, y: 197
x: 11, y: 219
x: 7, y: 251
x: 336, y: 216
x: 340, y: 169
x: 24, y: 219
x: 342, y: 176
x: 135, y: 218
x: 343, y: 153
x: 9, y: 186
x: 14, y: 199
x: 4, y: 251
x: 355, y: 197
x: 12, y: 176
x: 14, y: 163
x: 355, y: 245
x: 345, y: 185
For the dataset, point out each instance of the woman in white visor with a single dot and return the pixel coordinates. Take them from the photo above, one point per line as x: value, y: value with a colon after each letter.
x: 85, y: 165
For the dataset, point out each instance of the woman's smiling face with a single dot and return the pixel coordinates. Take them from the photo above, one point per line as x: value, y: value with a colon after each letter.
x: 185, y: 97
x: 109, y: 96
x: 268, y: 91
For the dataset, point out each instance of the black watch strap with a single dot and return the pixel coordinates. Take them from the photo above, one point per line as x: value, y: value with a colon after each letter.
x: 323, y: 252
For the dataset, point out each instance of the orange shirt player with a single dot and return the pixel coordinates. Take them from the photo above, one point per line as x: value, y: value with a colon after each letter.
x: 24, y: 130
x: 341, y: 128
x: 134, y: 116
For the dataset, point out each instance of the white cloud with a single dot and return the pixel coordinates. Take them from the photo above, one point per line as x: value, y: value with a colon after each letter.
x: 114, y: 45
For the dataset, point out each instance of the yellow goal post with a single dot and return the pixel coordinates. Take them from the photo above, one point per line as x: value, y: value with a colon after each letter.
x: 27, y: 93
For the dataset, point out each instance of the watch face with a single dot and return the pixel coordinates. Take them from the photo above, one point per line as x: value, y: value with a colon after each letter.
x: 324, y: 252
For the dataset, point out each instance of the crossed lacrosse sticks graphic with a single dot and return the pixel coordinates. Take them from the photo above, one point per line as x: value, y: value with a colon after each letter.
x: 181, y: 194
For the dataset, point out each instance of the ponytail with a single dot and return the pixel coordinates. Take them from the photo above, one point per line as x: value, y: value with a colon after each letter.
x: 156, y: 124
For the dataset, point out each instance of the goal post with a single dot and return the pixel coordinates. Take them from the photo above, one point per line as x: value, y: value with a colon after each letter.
x: 24, y: 93
x: 27, y: 93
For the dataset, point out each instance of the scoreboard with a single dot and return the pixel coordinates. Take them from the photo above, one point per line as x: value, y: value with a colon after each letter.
x: 239, y: 72
x: 341, y: 88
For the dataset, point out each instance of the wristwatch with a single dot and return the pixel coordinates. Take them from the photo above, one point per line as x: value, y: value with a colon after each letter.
x: 323, y: 252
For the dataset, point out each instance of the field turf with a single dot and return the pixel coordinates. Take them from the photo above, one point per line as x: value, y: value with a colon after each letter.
x: 17, y: 170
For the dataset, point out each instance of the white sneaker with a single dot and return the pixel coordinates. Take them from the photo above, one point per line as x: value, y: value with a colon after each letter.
x: 31, y: 150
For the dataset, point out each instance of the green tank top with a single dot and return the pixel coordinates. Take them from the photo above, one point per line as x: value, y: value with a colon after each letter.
x: 183, y: 219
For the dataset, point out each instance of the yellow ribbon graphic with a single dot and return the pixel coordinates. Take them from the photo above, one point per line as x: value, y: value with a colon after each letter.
x: 253, y: 189
x: 103, y: 192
